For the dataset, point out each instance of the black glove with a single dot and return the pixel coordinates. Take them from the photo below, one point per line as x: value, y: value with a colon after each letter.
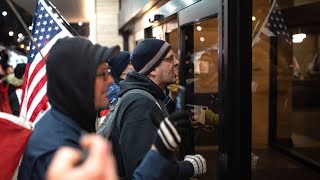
x: 169, y: 132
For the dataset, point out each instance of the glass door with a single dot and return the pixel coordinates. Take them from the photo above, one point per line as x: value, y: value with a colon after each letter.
x: 200, y: 78
x: 215, y: 68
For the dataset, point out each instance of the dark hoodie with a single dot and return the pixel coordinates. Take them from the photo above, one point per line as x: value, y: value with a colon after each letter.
x: 71, y: 72
x: 139, y: 119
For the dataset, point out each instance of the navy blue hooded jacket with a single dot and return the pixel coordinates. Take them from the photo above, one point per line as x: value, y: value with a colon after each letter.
x: 71, y: 72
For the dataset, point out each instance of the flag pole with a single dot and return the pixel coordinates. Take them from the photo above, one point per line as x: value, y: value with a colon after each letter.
x: 23, y: 24
x: 263, y: 24
x: 68, y: 26
x: 255, y: 27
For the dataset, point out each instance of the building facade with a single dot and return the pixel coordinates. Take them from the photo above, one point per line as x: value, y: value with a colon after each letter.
x: 240, y: 61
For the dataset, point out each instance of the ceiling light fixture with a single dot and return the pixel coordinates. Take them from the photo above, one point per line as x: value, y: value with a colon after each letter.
x: 4, y: 13
x: 298, y: 38
x: 80, y: 23
x: 11, y: 33
x: 199, y: 28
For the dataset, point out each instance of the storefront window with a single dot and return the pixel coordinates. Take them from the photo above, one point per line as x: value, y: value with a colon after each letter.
x: 285, y: 81
x: 201, y: 74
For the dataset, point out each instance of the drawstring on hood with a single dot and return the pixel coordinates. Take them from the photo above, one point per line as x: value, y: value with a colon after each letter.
x: 71, y: 72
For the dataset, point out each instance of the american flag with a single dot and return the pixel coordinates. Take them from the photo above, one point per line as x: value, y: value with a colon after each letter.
x: 47, y: 29
x: 274, y: 25
x: 15, y: 133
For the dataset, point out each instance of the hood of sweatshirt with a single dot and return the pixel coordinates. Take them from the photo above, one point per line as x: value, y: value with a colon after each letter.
x: 71, y: 72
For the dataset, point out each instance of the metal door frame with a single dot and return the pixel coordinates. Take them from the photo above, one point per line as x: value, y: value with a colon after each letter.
x: 235, y: 66
x: 235, y: 74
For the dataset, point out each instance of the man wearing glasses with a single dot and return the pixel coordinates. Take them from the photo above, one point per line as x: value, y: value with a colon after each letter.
x: 77, y: 80
x: 138, y: 116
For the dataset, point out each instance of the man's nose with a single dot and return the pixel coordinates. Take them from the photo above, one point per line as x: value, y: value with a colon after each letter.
x: 176, y: 61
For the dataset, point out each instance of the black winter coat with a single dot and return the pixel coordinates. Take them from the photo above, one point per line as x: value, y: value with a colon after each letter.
x: 136, y: 123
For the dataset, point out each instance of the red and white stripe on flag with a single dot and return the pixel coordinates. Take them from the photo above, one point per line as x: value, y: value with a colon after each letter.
x: 15, y: 133
x: 47, y: 29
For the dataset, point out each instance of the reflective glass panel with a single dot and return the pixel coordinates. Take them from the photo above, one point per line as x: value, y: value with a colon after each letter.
x: 285, y: 87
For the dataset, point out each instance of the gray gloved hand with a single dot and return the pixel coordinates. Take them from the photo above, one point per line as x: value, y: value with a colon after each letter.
x: 198, y: 162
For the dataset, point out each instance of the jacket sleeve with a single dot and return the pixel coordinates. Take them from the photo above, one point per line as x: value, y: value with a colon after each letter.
x: 138, y: 131
x: 14, y: 104
x: 41, y: 166
x: 154, y: 167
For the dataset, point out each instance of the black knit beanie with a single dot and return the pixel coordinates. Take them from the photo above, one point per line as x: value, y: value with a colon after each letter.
x: 118, y: 64
x: 148, y: 55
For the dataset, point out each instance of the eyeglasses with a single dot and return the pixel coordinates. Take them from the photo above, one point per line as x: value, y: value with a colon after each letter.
x: 105, y: 74
x: 169, y: 59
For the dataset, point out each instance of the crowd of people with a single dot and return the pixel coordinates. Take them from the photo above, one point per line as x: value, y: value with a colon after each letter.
x: 11, y: 81
x: 110, y: 122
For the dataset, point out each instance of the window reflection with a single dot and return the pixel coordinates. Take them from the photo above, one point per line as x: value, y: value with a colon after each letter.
x: 286, y: 77
x: 201, y: 74
x: 202, y: 79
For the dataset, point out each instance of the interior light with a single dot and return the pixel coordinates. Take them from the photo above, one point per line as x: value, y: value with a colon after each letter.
x: 199, y: 28
x: 28, y: 48
x: 11, y: 33
x: 253, y: 18
x: 298, y: 38
x: 4, y: 13
x: 20, y: 35
x: 202, y: 39
x: 21, y: 46
x: 30, y: 28
x: 80, y: 23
